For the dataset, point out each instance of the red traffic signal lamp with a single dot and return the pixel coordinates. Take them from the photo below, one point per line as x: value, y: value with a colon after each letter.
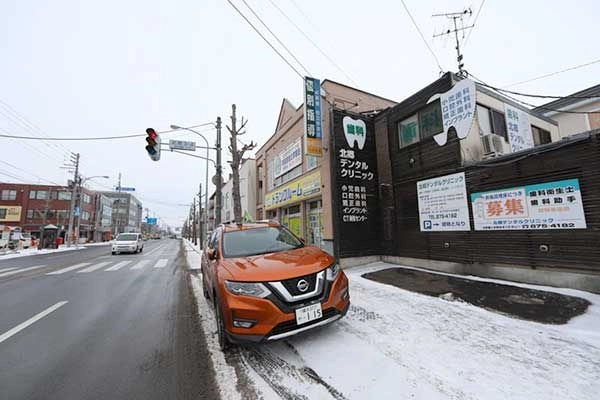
x: 153, y: 147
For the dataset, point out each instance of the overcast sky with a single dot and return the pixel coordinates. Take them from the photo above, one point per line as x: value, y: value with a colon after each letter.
x: 105, y: 68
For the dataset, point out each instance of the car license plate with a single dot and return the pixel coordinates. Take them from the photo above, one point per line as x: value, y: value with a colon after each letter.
x: 308, y: 313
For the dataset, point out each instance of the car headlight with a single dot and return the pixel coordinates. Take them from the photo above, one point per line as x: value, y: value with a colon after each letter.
x: 247, y: 289
x: 333, y: 272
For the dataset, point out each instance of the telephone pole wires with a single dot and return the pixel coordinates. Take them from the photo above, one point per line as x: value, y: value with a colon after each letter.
x: 75, y: 163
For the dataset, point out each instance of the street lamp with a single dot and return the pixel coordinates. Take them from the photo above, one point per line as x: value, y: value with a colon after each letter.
x: 81, y: 183
x: 177, y: 127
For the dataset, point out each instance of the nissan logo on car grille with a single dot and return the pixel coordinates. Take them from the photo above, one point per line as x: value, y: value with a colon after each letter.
x: 302, y: 285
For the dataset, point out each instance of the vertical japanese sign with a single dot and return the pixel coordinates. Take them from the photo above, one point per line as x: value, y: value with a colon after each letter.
x: 550, y: 205
x: 458, y: 110
x: 518, y: 129
x: 312, y: 117
x: 355, y: 186
x: 443, y: 204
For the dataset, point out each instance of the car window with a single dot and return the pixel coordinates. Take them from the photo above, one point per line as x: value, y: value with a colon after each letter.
x: 255, y: 241
x: 127, y: 237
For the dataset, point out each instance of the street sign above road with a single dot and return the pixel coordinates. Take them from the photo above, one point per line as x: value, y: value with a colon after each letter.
x: 151, y: 221
x: 182, y: 145
x: 125, y: 189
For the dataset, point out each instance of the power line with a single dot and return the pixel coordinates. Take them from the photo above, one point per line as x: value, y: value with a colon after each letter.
x: 29, y: 173
x: 474, y: 22
x: 276, y: 38
x: 265, y: 39
x: 14, y: 177
x: 552, y: 73
x: 539, y: 96
x: 26, y: 145
x: 93, y: 138
x: 312, y: 42
x: 533, y: 105
x: 422, y: 37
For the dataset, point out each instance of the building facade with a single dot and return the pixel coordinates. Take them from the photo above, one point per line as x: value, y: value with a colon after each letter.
x: 34, y: 206
x: 578, y: 112
x: 126, y: 212
x: 293, y: 187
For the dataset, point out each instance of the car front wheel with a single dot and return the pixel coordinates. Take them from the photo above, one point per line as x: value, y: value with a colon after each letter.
x: 223, y: 341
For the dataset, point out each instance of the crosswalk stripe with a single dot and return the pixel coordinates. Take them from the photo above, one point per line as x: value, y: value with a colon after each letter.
x: 68, y: 269
x: 161, y: 263
x: 141, y: 264
x: 7, y: 269
x: 118, y: 266
x: 94, y: 267
x: 18, y: 271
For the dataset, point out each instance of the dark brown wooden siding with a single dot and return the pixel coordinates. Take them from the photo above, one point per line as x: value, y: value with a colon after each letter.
x: 577, y: 249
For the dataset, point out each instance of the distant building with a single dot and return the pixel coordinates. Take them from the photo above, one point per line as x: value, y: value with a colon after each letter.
x: 247, y: 193
x: 579, y: 112
x: 103, y: 220
x: 126, y: 212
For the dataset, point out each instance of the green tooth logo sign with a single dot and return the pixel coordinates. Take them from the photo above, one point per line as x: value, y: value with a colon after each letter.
x: 355, y: 131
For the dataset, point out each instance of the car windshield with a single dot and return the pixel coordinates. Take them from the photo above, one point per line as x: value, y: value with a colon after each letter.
x: 126, y: 238
x: 255, y: 241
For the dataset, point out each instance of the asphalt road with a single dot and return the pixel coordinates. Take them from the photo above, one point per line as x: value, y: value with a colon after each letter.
x: 88, y: 325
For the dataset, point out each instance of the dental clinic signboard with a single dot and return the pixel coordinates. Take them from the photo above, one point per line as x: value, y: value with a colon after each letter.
x: 550, y: 205
x: 443, y: 204
x: 355, y: 186
x: 313, y: 128
x: 458, y: 109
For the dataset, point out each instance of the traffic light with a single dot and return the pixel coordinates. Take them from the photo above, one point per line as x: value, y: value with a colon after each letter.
x: 153, y: 147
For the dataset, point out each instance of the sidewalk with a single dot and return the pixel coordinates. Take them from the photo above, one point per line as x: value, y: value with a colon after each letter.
x: 34, y: 251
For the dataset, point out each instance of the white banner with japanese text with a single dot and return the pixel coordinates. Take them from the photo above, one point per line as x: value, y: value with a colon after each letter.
x: 458, y: 110
x: 443, y: 204
x: 550, y: 205
x: 518, y: 129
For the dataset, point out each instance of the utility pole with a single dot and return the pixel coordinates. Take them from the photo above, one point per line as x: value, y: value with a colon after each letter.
x: 454, y: 17
x: 219, y: 182
x: 117, y: 220
x: 74, y: 160
x: 236, y: 159
x: 194, y: 222
x: 200, y: 231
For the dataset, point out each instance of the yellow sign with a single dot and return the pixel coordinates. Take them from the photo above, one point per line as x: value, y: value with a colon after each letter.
x: 10, y: 213
x: 303, y: 188
x: 314, y: 147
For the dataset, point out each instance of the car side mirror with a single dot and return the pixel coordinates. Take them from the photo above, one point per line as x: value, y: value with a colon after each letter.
x: 212, y: 254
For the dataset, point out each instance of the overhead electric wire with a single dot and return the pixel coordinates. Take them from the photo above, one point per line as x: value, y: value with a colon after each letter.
x: 422, y: 37
x: 93, y: 138
x: 276, y: 38
x: 27, y: 172
x: 265, y: 39
x: 26, y: 145
x: 542, y: 107
x: 474, y: 22
x: 552, y: 73
x: 312, y: 42
x: 539, y: 96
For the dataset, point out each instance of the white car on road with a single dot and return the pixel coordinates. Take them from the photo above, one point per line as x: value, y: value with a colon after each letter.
x: 128, y: 243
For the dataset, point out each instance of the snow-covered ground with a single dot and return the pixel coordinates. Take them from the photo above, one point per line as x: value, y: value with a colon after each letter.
x: 395, y: 344
x: 34, y: 251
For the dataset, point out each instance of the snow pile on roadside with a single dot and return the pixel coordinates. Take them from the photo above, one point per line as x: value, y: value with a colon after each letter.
x: 34, y: 252
x: 225, y: 374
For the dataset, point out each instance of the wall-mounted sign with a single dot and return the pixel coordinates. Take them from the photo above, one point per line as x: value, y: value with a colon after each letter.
x: 443, y: 204
x: 458, y: 110
x: 550, y: 205
x: 312, y: 116
x: 289, y: 158
x: 355, y: 187
x: 10, y: 213
x: 303, y: 188
x: 518, y: 129
x: 125, y: 189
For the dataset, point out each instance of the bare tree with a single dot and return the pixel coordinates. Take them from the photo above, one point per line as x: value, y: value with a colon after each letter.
x: 236, y: 160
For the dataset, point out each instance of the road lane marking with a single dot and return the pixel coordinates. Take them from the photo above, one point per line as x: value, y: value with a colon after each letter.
x: 71, y: 268
x: 7, y: 269
x: 18, y: 271
x: 94, y: 267
x: 155, y: 250
x: 118, y: 266
x: 31, y: 320
x: 141, y: 264
x: 161, y: 263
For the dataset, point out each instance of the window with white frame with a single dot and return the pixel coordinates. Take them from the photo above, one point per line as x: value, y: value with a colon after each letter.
x: 9, y: 195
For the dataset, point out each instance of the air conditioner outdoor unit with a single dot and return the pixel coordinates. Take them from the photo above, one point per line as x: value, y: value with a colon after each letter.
x: 493, y: 145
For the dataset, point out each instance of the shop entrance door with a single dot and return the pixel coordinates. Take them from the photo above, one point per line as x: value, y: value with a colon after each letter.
x: 292, y: 219
x: 314, y: 223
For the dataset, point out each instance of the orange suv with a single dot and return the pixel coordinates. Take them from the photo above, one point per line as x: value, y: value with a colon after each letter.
x: 266, y: 284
